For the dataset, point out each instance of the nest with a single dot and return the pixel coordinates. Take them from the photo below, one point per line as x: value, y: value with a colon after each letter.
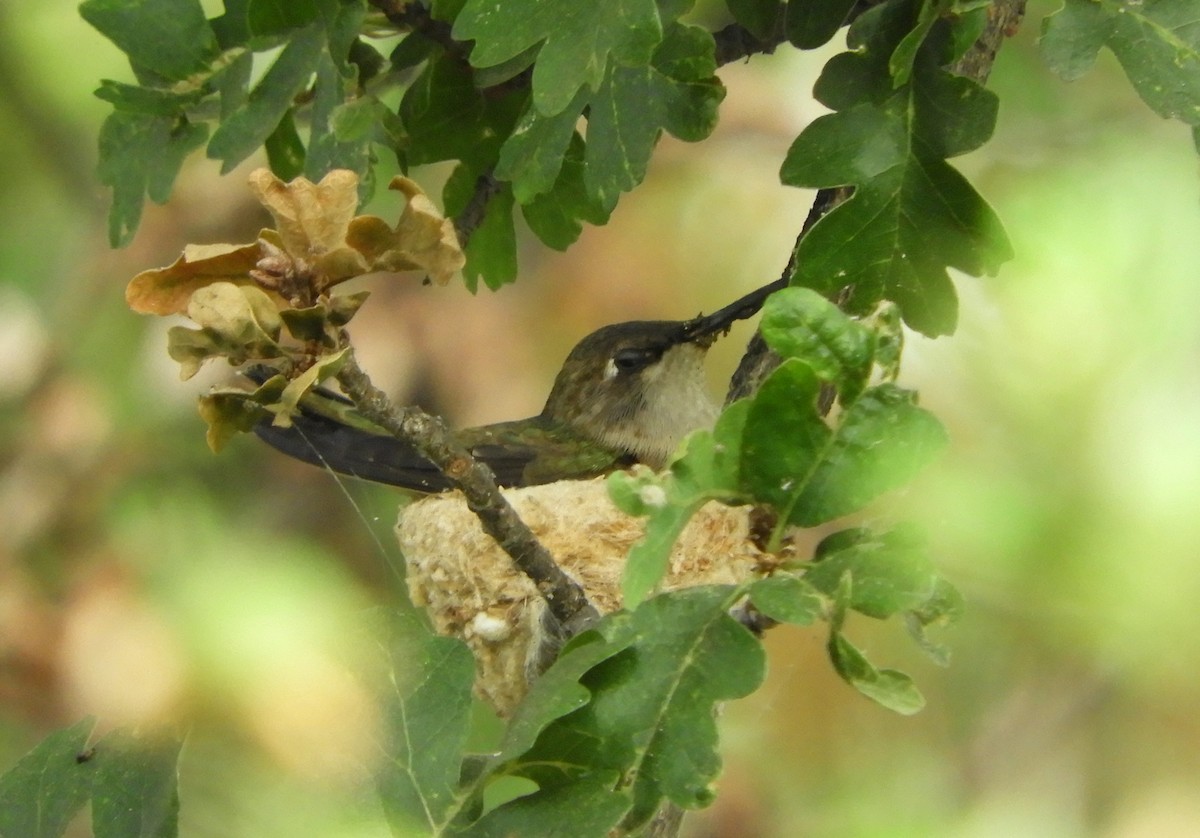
x: 472, y: 590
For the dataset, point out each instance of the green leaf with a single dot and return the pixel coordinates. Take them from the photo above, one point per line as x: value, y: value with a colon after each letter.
x: 428, y: 719
x: 248, y: 127
x: 498, y: 74
x: 140, y: 154
x: 589, y: 806
x: 275, y: 17
x: 492, y: 250
x: 556, y: 692
x: 900, y: 64
x: 336, y: 85
x: 677, y: 92
x: 336, y: 93
x: 447, y: 118
x: 966, y: 26
x: 43, y: 791
x: 840, y: 606
x: 944, y: 606
x: 811, y: 23
x: 800, y: 323
x: 411, y: 51
x: 577, y: 42
x: 784, y: 436
x: 758, y: 16
x: 135, y: 792
x: 787, y: 599
x: 145, y: 153
x: 652, y: 714
x: 881, y: 442
x: 233, y: 84
x: 891, y: 573
x: 147, y: 100
x: 285, y: 149
x: 894, y: 690
x: 911, y: 215
x: 170, y: 38
x: 232, y: 28
x: 706, y: 470
x: 446, y: 10
x: 813, y: 473
x: 1157, y: 43
x: 556, y: 215
x: 532, y: 157
x: 842, y: 540
x: 1072, y: 37
x: 672, y: 10
x: 648, y: 559
x: 691, y: 655
x: 358, y: 118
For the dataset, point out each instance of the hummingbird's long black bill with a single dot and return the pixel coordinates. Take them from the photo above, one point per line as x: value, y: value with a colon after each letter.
x: 706, y: 328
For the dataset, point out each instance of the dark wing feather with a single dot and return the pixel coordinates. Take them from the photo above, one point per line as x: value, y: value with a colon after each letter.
x: 326, y: 442
x: 354, y: 452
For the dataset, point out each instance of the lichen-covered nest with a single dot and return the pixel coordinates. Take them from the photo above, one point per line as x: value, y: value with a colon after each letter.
x: 472, y: 590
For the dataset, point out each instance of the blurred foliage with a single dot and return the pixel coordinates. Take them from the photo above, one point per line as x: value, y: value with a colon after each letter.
x: 1064, y: 508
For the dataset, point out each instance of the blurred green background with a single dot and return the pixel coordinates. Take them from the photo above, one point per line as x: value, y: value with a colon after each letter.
x: 143, y: 579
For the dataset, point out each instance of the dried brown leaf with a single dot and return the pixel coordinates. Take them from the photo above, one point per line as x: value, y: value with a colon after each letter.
x: 167, y: 290
x: 228, y: 414
x: 312, y: 218
x: 423, y: 239
x: 238, y: 322
x: 231, y: 412
x: 241, y: 313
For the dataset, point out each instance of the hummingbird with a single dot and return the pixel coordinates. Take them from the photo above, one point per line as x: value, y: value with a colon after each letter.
x: 627, y: 393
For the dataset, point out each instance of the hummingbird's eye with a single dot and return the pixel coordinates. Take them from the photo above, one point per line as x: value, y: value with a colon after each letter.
x: 632, y: 360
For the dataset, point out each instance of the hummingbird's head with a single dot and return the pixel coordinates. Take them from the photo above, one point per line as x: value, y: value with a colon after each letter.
x: 637, y: 387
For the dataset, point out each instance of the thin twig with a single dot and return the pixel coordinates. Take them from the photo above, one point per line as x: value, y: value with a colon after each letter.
x: 565, y: 599
x: 468, y: 221
x: 759, y: 360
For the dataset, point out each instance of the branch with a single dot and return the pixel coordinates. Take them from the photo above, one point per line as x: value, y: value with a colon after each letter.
x: 565, y: 599
x: 1004, y: 19
x: 468, y: 221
